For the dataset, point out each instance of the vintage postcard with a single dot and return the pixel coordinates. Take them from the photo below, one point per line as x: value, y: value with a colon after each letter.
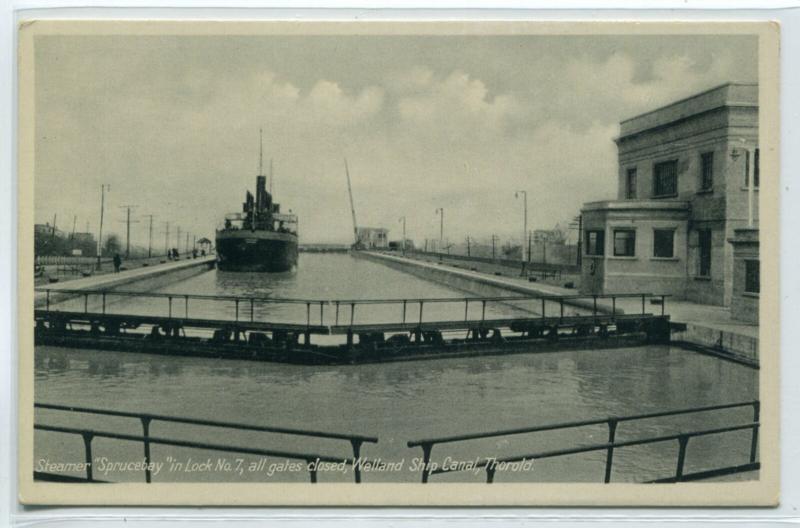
x: 395, y: 263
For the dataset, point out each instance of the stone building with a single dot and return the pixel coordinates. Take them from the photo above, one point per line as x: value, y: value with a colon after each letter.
x: 688, y: 179
x: 373, y: 237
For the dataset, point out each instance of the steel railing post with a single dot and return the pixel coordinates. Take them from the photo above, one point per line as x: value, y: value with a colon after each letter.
x: 483, y: 311
x: 544, y: 307
x: 186, y: 306
x: 643, y: 308
x: 321, y: 313
x: 490, y: 469
x: 47, y: 301
x: 356, y: 443
x: 337, y: 314
x: 236, y: 313
x: 87, y: 445
x: 426, y: 459
x: 252, y: 309
x: 663, y: 304
x: 352, y: 313
x: 466, y: 309
x: 612, y: 434
x: 146, y: 434
x: 86, y: 303
x: 682, y: 441
x: 404, y: 310
x: 754, y: 439
x: 420, y: 312
x: 561, y: 308
x: 170, y: 307
x: 104, y: 303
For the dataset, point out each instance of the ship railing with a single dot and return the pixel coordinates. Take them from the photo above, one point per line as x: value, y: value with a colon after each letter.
x: 356, y: 441
x: 411, y: 310
x: 490, y: 465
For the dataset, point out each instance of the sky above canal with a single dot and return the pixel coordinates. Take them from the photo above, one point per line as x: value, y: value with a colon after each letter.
x: 459, y: 122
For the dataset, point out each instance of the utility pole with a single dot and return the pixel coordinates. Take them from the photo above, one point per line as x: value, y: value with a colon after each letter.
x: 150, y: 238
x: 166, y: 239
x: 440, y: 212
x: 103, y: 189
x: 468, y: 248
x: 128, y: 222
x: 403, y: 219
x: 187, y: 242
x: 74, y: 222
x: 53, y: 232
x: 494, y: 242
x: 178, y: 238
x: 524, y: 224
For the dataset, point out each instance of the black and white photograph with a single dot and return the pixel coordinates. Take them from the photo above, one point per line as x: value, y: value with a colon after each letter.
x: 396, y: 263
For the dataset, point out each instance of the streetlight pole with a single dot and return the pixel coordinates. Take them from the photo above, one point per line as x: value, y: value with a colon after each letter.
x: 403, y: 219
x: 440, y: 212
x: 524, y: 222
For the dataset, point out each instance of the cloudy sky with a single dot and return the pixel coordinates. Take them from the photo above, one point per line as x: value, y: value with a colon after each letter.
x: 458, y: 122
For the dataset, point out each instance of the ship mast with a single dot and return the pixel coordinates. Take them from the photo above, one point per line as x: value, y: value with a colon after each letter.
x: 352, y: 207
x: 260, y: 151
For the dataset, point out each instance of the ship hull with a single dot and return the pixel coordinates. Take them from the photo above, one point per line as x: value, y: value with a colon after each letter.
x: 256, y: 251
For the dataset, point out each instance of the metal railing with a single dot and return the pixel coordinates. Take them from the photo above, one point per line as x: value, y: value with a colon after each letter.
x: 356, y: 441
x: 609, y: 447
x: 245, y: 306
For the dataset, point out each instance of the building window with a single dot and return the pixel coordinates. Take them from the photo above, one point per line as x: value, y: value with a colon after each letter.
x: 704, y: 242
x: 595, y: 242
x: 664, y: 243
x: 752, y: 276
x: 706, y: 171
x: 756, y: 168
x: 624, y: 243
x: 630, y: 184
x: 665, y: 179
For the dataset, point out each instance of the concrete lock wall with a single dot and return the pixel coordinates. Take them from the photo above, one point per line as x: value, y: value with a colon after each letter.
x: 141, y: 280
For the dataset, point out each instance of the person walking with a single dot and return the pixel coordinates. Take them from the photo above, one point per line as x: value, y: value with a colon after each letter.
x: 117, y: 262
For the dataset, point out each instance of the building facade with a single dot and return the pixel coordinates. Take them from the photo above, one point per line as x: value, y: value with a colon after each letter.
x: 373, y: 237
x: 688, y: 179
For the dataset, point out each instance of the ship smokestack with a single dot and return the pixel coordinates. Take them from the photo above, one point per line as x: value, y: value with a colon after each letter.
x: 261, y: 193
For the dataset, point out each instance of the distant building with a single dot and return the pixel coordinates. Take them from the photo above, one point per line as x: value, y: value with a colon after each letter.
x: 373, y: 237
x: 688, y: 181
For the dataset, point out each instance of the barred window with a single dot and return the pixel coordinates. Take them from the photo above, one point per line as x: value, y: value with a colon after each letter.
x: 665, y: 179
x: 752, y: 276
x: 707, y: 171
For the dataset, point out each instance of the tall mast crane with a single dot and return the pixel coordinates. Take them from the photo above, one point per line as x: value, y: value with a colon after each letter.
x: 352, y: 207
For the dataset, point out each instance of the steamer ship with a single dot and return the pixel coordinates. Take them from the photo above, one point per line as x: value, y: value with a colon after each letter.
x: 260, y: 238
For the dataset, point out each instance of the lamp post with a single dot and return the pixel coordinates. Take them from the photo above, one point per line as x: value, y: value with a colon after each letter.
x: 440, y: 212
x: 403, y: 219
x: 524, y: 222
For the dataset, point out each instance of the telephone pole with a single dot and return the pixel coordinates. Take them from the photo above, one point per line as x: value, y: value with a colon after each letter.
x: 403, y: 219
x: 128, y: 222
x: 494, y: 242
x: 150, y: 238
x: 178, y: 237
x: 468, y: 248
x: 166, y: 239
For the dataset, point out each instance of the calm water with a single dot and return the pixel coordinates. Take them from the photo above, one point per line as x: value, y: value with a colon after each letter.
x: 397, y: 402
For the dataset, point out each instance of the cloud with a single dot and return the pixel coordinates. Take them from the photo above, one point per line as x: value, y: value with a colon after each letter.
x: 180, y: 138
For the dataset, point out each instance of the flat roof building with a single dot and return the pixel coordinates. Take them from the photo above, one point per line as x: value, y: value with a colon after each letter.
x: 688, y: 177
